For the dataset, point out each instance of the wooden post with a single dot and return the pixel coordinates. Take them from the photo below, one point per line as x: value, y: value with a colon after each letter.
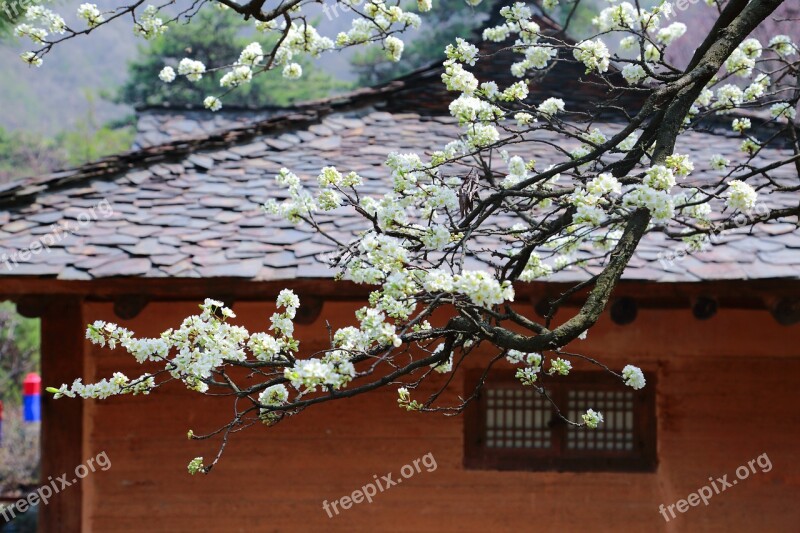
x: 62, y: 420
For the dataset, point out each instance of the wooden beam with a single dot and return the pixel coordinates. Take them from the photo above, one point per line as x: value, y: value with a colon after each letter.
x: 786, y: 311
x: 31, y: 307
x: 129, y: 306
x: 310, y: 309
x: 542, y: 307
x: 704, y: 307
x: 624, y: 310
x: 62, y: 359
x: 730, y: 294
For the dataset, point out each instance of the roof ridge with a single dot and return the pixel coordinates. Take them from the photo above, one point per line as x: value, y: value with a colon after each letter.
x: 22, y: 190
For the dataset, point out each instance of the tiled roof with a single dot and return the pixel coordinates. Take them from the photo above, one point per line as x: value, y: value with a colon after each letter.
x: 186, y: 202
x: 159, y: 125
x: 192, y: 209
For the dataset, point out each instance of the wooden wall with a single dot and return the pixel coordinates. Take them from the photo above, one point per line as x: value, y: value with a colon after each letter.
x: 727, y: 393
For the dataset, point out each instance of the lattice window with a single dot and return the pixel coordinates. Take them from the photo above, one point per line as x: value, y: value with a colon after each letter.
x: 517, y: 418
x: 511, y: 427
x: 616, y: 433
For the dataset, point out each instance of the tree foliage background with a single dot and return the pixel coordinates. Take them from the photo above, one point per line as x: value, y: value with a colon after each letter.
x: 212, y: 37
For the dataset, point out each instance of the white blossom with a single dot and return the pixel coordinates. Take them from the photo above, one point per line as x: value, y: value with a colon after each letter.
x: 149, y: 25
x: 593, y: 54
x: 551, y: 106
x: 669, y: 33
x: 91, y: 14
x: 32, y: 59
x: 783, y: 45
x: 482, y: 288
x: 783, y: 110
x: 462, y: 51
x: 560, y: 366
x: 213, y: 103
x: 394, y: 48
x: 739, y: 125
x: 54, y: 22
x: 633, y: 73
x: 274, y: 395
x: 633, y: 377
x: 456, y: 78
x: 719, y: 162
x: 252, y: 55
x: 750, y: 146
x: 237, y: 76
x: 193, y: 70
x: 592, y: 418
x: 292, y: 71
x: 741, y: 196
x: 622, y: 16
x: 660, y: 178
x: 680, y: 164
x: 604, y: 184
x: 167, y: 75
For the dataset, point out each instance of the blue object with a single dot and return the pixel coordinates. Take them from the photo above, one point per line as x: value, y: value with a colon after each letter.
x: 32, y: 408
x: 31, y: 398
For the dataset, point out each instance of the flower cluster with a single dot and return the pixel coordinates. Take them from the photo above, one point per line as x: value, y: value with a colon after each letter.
x: 192, y: 353
x: 659, y: 178
x: 150, y: 25
x: 252, y: 55
x: 719, y: 162
x: 783, y: 109
x: 633, y: 73
x: 551, y: 106
x: 633, y: 377
x: 593, y: 54
x: 212, y: 103
x: 237, y: 76
x: 167, y: 74
x: 743, y: 60
x: 91, y: 14
x: 482, y: 288
x: 105, y: 388
x: 659, y: 202
x: 52, y: 22
x: 529, y: 374
x: 739, y: 125
x: 308, y: 374
x: 192, y: 69
x: 404, y: 400
x: 741, y: 196
x: 560, y: 366
x: 783, y: 45
x: 592, y: 418
x: 196, y: 465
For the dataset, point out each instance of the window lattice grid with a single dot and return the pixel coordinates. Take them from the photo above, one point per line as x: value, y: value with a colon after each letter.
x: 517, y: 418
x: 615, y: 433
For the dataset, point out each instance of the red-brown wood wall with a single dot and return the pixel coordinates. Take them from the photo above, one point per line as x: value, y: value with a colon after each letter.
x: 726, y: 394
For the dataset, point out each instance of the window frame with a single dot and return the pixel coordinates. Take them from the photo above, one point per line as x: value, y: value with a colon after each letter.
x: 643, y: 457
